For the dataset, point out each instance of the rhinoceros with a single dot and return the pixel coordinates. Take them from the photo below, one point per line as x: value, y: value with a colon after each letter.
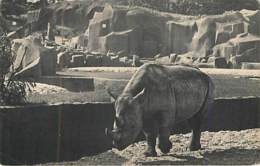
x: 155, y: 98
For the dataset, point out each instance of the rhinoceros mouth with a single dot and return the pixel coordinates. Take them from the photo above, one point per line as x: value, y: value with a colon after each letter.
x: 117, y: 141
x: 118, y: 145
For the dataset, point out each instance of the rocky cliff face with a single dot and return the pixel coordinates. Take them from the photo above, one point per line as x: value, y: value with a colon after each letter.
x: 119, y: 33
x: 232, y: 37
x: 32, y: 58
x: 138, y: 31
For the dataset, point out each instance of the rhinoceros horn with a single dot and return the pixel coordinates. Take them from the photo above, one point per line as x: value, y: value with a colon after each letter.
x: 108, y: 132
x: 111, y: 94
x: 113, y: 134
x: 140, y: 95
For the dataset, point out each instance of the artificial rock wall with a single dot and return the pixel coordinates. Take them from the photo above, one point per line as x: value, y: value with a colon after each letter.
x: 232, y: 36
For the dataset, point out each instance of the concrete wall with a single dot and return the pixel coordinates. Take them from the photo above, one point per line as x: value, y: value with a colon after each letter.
x: 233, y: 114
x: 71, y: 83
x: 228, y: 114
x: 45, y: 133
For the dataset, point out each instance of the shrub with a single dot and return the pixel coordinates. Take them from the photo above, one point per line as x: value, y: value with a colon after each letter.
x: 197, y: 7
x: 12, y: 91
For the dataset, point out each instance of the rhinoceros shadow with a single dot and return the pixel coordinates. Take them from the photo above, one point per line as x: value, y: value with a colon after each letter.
x: 233, y: 156
x: 106, y: 158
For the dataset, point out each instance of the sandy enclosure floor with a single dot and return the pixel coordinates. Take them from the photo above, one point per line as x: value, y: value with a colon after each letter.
x: 224, y: 147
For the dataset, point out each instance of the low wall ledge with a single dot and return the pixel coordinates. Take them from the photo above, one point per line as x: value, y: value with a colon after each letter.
x: 53, y: 104
x: 237, y: 97
x: 95, y: 103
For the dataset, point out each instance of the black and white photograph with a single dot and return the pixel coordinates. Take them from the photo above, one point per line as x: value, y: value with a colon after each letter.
x: 129, y: 82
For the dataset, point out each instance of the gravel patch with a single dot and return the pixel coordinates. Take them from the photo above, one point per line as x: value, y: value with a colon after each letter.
x: 224, y: 147
x: 40, y: 88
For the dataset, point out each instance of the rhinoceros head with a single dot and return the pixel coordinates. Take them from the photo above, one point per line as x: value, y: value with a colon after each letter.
x: 128, y: 120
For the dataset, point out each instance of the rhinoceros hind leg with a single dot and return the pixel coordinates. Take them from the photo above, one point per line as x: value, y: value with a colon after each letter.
x: 195, y: 124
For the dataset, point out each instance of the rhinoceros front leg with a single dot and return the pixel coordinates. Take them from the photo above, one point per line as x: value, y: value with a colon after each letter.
x: 164, y: 143
x: 150, y: 129
x: 165, y: 121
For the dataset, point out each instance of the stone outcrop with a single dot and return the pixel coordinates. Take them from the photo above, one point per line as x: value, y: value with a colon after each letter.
x: 181, y: 35
x: 243, y: 48
x: 79, y: 42
x: 74, y: 15
x: 232, y: 36
x: 32, y: 59
x: 138, y: 31
x: 63, y: 59
x: 70, y: 58
x: 215, y: 29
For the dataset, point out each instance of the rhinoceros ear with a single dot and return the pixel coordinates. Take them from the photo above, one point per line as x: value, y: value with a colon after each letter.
x: 140, y: 96
x: 113, y: 96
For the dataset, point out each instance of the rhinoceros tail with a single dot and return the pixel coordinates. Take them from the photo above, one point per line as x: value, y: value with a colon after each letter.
x: 209, y: 97
x: 210, y: 93
x: 208, y: 111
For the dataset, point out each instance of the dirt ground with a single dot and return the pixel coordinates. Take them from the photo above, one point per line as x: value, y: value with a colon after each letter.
x: 218, y: 148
